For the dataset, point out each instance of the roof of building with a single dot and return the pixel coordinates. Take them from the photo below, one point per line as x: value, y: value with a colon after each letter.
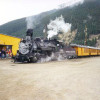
x: 83, y: 46
x: 10, y: 35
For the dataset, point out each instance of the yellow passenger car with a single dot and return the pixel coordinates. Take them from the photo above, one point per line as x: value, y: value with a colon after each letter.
x: 93, y: 51
x: 85, y: 50
x: 98, y: 52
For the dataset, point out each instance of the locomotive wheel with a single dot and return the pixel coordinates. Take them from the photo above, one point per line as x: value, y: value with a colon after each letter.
x: 33, y: 59
x: 49, y: 53
x: 69, y: 57
x: 53, y: 49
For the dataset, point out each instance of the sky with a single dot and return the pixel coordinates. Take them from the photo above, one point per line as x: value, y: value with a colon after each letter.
x: 15, y: 9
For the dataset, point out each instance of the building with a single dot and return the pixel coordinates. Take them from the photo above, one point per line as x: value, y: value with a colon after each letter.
x: 9, y: 42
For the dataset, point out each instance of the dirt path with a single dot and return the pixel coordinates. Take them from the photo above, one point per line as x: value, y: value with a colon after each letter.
x: 77, y: 79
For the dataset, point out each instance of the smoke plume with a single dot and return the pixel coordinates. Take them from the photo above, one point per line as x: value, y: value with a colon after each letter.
x: 32, y: 21
x: 29, y: 21
x: 56, y: 26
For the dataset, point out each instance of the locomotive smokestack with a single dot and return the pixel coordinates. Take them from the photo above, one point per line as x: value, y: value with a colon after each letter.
x: 29, y: 33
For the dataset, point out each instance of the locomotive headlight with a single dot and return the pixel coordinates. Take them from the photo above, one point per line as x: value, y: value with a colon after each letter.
x: 24, y: 48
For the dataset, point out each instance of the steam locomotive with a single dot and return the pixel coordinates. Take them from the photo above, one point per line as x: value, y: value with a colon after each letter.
x: 32, y: 50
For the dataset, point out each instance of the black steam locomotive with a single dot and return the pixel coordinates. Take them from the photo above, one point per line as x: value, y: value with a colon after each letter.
x: 32, y: 50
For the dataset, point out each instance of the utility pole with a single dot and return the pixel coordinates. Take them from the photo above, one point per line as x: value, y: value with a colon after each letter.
x: 85, y: 31
x: 45, y: 32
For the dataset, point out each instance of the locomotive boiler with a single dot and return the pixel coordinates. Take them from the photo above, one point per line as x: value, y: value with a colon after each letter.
x: 32, y: 50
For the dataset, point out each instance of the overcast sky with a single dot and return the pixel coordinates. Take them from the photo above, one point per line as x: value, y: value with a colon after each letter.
x: 15, y: 9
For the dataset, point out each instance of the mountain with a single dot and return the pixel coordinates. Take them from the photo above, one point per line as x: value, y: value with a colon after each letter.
x: 18, y: 27
x: 86, y: 14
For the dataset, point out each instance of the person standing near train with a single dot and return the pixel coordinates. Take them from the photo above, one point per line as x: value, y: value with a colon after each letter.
x: 3, y: 53
x: 0, y: 55
x: 10, y: 53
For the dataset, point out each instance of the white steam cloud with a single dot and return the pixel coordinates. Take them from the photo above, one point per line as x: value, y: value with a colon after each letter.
x: 29, y: 21
x: 32, y: 21
x: 58, y: 25
x: 53, y: 57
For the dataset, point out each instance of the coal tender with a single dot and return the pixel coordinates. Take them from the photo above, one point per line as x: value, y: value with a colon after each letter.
x: 32, y: 50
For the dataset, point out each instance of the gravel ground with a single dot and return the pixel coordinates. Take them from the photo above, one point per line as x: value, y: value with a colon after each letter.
x: 76, y: 79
